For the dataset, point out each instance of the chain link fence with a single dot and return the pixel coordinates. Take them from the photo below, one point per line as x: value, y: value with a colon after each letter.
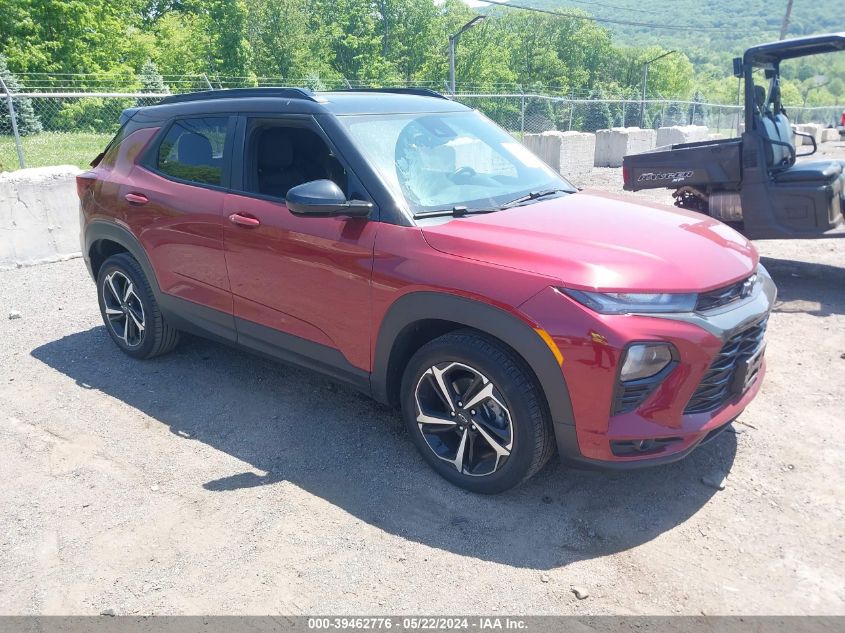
x: 532, y: 113
x: 64, y: 124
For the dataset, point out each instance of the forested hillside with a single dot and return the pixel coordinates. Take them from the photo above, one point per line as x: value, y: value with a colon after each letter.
x: 723, y: 28
x: 739, y: 24
x: 378, y: 42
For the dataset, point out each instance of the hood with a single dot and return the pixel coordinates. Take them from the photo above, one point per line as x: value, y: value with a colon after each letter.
x: 598, y: 241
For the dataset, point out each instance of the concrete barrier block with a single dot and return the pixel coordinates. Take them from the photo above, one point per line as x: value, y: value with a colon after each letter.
x: 39, y: 216
x: 830, y: 134
x: 813, y: 129
x: 569, y: 153
x: 534, y: 143
x: 677, y: 134
x: 613, y: 144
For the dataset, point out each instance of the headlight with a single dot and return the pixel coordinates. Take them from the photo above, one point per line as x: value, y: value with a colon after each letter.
x: 643, y: 360
x: 628, y: 302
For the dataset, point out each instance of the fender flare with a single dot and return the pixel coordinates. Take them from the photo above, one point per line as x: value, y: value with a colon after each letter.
x: 181, y: 313
x: 97, y: 230
x: 508, y: 328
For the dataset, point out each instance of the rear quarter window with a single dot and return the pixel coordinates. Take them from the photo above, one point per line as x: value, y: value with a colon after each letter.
x: 193, y: 150
x: 109, y: 154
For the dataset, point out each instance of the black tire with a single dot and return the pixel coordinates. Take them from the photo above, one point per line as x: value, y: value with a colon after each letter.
x: 156, y: 337
x: 530, y: 430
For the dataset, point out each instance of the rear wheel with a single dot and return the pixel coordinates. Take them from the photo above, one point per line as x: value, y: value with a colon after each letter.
x: 130, y: 311
x: 475, y: 412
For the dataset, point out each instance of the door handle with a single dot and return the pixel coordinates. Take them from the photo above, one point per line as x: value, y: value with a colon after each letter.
x: 244, y: 220
x: 136, y: 198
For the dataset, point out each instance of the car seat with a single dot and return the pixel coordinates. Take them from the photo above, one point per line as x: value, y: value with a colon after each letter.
x: 277, y: 171
x: 194, y: 149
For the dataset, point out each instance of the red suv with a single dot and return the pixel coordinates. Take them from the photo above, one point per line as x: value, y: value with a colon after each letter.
x: 403, y: 243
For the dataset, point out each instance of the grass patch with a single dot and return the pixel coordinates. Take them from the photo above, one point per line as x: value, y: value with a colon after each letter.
x: 53, y: 148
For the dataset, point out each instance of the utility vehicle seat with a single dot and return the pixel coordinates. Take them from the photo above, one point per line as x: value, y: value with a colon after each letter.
x: 776, y: 128
x: 822, y: 171
x: 777, y: 154
x: 782, y: 125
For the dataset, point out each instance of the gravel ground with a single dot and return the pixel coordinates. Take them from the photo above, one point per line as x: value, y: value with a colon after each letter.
x: 210, y: 481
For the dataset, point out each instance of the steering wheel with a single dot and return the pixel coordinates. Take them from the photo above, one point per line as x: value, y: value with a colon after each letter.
x: 462, y: 173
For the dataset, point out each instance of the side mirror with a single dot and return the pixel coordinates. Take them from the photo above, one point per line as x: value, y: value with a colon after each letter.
x: 738, y: 67
x: 321, y: 198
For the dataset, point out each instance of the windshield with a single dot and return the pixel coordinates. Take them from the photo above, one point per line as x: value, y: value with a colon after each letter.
x: 446, y: 160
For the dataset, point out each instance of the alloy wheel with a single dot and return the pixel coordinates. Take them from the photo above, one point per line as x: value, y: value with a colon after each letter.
x: 463, y: 419
x: 123, y: 307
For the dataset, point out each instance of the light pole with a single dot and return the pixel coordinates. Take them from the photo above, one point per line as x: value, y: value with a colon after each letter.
x: 453, y: 43
x: 645, y: 84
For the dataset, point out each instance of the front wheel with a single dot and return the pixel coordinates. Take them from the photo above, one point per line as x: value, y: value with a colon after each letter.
x: 475, y: 412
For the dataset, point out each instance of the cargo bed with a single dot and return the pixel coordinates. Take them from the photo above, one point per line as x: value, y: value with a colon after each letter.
x: 701, y: 164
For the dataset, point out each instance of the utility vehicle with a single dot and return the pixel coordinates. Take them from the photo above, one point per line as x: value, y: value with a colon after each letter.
x: 754, y: 182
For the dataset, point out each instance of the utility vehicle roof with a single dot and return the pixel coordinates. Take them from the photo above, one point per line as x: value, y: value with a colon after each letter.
x: 797, y: 47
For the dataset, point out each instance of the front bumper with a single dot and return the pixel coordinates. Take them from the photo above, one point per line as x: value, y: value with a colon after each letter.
x: 592, y: 346
x: 677, y: 450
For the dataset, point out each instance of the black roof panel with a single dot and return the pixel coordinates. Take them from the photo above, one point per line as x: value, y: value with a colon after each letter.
x: 239, y: 93
x: 797, y: 47
x: 302, y: 101
x: 373, y: 102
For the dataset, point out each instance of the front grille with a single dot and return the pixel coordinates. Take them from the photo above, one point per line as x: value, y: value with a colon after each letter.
x: 723, y: 296
x: 718, y: 384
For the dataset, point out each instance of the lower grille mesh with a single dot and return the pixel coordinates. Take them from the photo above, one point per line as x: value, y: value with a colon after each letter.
x: 716, y: 387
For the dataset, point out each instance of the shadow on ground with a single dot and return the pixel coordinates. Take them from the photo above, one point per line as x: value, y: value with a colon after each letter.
x: 293, y: 425
x: 817, y: 289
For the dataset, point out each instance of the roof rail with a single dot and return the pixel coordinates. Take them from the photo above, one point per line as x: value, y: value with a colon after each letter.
x: 422, y: 92
x: 235, y: 93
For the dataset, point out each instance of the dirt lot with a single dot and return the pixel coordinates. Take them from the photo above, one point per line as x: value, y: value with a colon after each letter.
x: 210, y: 481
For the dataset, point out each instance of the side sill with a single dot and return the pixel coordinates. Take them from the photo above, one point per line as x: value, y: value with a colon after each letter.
x: 298, y: 351
x: 198, y: 319
x: 222, y: 327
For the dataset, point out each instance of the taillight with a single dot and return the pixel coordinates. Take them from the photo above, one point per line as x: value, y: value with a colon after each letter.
x: 626, y: 175
x: 85, y: 183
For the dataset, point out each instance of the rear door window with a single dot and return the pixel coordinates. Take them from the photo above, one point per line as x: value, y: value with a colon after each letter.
x: 195, y: 150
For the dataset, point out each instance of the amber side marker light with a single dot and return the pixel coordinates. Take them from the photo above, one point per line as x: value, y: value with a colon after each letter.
x: 548, y: 340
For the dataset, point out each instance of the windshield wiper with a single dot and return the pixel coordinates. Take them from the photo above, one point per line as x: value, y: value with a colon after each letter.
x: 534, y: 195
x: 456, y: 212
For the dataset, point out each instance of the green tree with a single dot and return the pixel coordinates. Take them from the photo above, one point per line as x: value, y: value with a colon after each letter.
x: 25, y: 117
x: 598, y: 115
x: 151, y: 79
x: 181, y: 45
x: 482, y: 60
x: 230, y: 52
x: 534, y: 53
x: 313, y: 82
x: 281, y: 40
x: 71, y: 36
x: 90, y: 114
x: 409, y: 32
x: 349, y: 40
